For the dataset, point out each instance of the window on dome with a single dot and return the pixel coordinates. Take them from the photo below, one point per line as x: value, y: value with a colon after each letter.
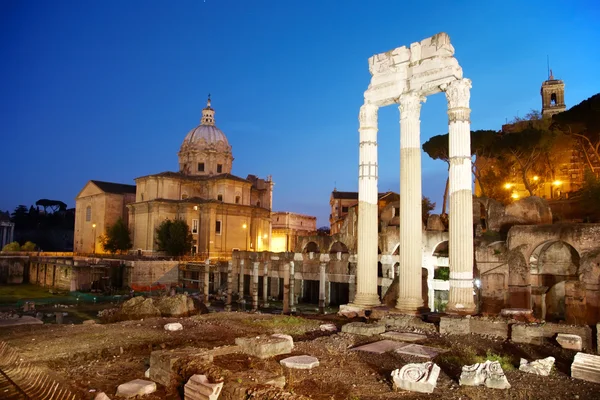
x: 237, y: 199
x: 200, y: 167
x: 219, y: 168
x: 220, y: 197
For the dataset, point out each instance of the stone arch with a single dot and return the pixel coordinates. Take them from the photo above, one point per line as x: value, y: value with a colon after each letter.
x: 519, y: 286
x: 338, y: 250
x: 441, y: 249
x: 311, y: 247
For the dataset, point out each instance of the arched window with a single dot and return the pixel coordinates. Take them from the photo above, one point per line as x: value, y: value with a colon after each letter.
x: 258, y: 204
x: 553, y: 101
x: 88, y: 213
x: 220, y: 197
x: 237, y: 199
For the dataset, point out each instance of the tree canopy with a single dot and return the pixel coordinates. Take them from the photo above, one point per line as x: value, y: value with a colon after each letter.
x: 174, y: 237
x: 117, y: 238
x: 54, y: 205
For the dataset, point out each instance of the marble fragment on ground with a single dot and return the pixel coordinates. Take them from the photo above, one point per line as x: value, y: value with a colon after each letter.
x: 136, y: 387
x: 571, y: 342
x: 541, y: 367
x: 586, y: 367
x: 361, y: 328
x: 328, y: 328
x: 174, y: 326
x: 489, y: 373
x: 198, y: 387
x: 380, y: 347
x: 101, y: 396
x: 300, y: 362
x: 284, y: 336
x: 403, y: 336
x: 419, y: 350
x: 417, y: 377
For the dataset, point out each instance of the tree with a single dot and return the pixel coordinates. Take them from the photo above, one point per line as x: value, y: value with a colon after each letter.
x: 174, y: 237
x: 582, y: 122
x: 54, y: 205
x: 589, y: 196
x: 14, y: 246
x: 437, y: 149
x: 426, y: 208
x: 28, y: 246
x: 323, y: 231
x: 117, y: 238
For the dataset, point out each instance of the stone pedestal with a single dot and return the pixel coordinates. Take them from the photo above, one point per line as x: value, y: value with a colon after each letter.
x: 410, y: 296
x: 366, y: 274
x: 461, y: 299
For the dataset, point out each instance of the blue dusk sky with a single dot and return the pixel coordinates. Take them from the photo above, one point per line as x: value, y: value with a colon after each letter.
x: 107, y: 90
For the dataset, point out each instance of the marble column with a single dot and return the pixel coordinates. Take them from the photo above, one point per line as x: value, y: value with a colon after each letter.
x: 322, y: 283
x: 461, y: 199
x: 410, y: 297
x: 254, y: 286
x: 241, y: 282
x: 229, y: 285
x: 286, y: 288
x: 265, y: 298
x: 366, y: 271
x: 292, y: 287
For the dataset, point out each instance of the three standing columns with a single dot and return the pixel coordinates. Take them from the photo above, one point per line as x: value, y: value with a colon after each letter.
x: 366, y: 269
x: 410, y: 298
x: 461, y: 201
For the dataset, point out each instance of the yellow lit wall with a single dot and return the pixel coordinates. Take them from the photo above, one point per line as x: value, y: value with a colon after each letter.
x: 278, y: 244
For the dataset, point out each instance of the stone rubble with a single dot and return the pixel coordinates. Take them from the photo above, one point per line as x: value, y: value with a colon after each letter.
x: 571, y: 342
x: 361, y: 328
x: 418, y: 377
x: 101, y: 396
x: 328, y: 328
x: 173, y: 326
x: 199, y: 388
x: 489, y: 373
x: 136, y: 387
x: 300, y: 362
x: 264, y: 347
x: 541, y: 367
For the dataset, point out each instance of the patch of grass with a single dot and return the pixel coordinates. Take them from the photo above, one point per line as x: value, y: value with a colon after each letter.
x: 283, y: 324
x: 12, y: 293
x: 505, y: 361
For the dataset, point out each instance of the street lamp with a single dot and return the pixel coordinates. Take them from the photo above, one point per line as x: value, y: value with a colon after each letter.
x: 246, y: 237
x: 94, y: 229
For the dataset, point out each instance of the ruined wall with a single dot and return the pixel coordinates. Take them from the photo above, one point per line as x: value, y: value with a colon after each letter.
x: 150, y: 272
x: 13, y: 269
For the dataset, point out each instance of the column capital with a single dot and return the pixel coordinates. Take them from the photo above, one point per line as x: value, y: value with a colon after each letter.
x: 367, y: 117
x: 410, y: 105
x: 458, y: 93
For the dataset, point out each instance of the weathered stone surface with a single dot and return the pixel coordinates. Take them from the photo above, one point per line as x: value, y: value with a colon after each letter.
x: 136, y: 387
x: 380, y: 347
x: 361, y: 328
x: 489, y: 373
x: 179, y: 305
x: 489, y: 327
x: 403, y: 336
x: 173, y: 326
x: 455, y: 326
x: 419, y: 351
x: 277, y: 382
x: 435, y: 223
x: 532, y: 334
x: 264, y: 347
x: 300, y: 362
x: 328, y: 328
x: 199, y: 388
x: 416, y: 377
x: 101, y: 396
x: 284, y: 336
x: 537, y: 367
x: 585, y: 332
x: 138, y: 308
x: 586, y: 367
x: 163, y: 363
x: 571, y: 342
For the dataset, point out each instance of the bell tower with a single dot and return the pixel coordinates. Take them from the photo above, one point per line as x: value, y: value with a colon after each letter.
x: 553, y: 96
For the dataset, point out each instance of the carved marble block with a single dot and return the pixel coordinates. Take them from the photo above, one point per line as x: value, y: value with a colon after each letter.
x: 489, y: 373
x: 420, y: 377
x: 538, y: 367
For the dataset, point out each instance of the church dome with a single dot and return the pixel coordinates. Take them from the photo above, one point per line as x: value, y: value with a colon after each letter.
x: 205, y: 149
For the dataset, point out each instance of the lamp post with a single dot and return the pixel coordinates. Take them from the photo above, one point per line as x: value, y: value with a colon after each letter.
x: 246, y: 236
x: 94, y: 229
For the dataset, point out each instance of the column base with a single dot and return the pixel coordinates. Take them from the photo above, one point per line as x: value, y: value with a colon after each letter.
x: 461, y: 308
x: 409, y: 305
x: 366, y: 300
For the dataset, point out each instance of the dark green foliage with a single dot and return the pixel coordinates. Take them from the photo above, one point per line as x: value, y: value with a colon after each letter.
x: 174, y: 237
x: 427, y: 207
x: 589, y: 197
x: 54, y: 205
x: 117, y: 238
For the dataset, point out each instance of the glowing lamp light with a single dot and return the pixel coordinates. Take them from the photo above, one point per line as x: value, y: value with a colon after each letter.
x: 195, y: 208
x: 244, y: 226
x: 507, y: 185
x: 477, y: 283
x: 265, y: 236
x: 93, y: 225
x: 557, y: 183
x: 536, y: 178
x: 514, y: 196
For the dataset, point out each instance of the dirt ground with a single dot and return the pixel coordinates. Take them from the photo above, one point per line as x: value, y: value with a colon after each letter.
x: 99, y: 357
